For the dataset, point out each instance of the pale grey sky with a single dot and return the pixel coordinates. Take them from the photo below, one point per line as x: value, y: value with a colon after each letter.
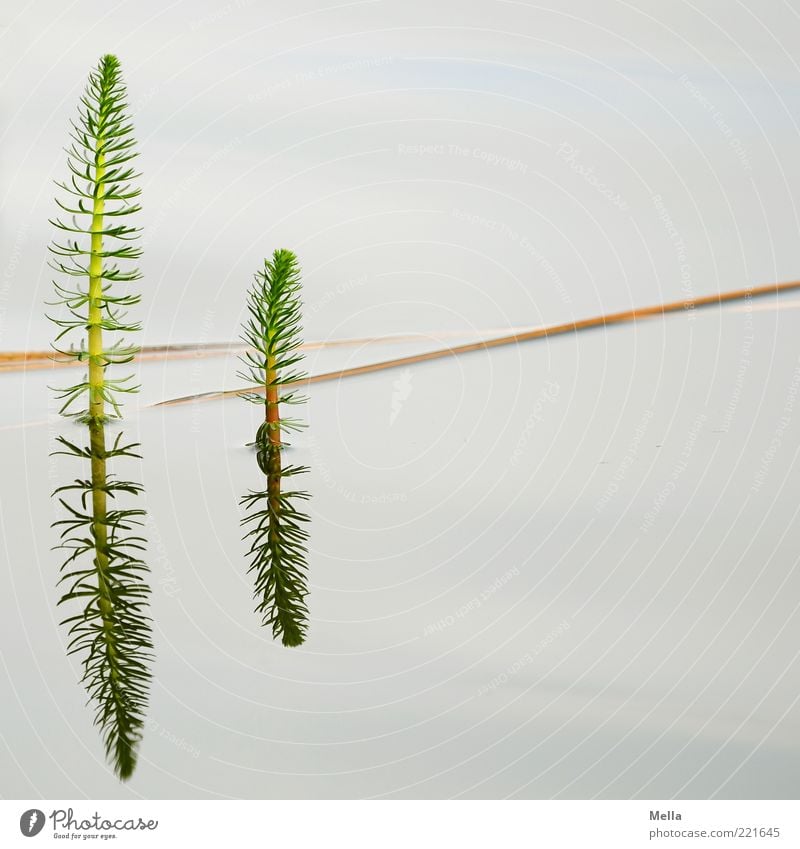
x: 268, y: 124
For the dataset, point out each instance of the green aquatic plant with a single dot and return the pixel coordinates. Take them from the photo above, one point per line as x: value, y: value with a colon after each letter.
x: 276, y: 525
x: 110, y: 630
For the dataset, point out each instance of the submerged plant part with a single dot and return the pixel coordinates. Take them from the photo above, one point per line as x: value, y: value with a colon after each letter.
x: 276, y: 525
x: 111, y: 630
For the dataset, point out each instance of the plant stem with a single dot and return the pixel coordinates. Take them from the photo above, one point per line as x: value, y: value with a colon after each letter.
x: 97, y: 443
x: 94, y: 323
x: 97, y: 440
x: 272, y: 414
x: 271, y: 403
x: 96, y: 379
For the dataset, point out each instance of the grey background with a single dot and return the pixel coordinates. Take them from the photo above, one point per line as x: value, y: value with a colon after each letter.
x: 563, y: 569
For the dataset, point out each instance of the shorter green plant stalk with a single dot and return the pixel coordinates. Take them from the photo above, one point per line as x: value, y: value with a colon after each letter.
x: 278, y: 536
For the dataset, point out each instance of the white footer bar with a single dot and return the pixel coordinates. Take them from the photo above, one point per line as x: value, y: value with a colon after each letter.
x: 389, y: 824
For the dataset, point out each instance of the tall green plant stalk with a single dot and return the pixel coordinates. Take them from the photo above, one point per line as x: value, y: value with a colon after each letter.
x: 112, y: 631
x: 276, y: 525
